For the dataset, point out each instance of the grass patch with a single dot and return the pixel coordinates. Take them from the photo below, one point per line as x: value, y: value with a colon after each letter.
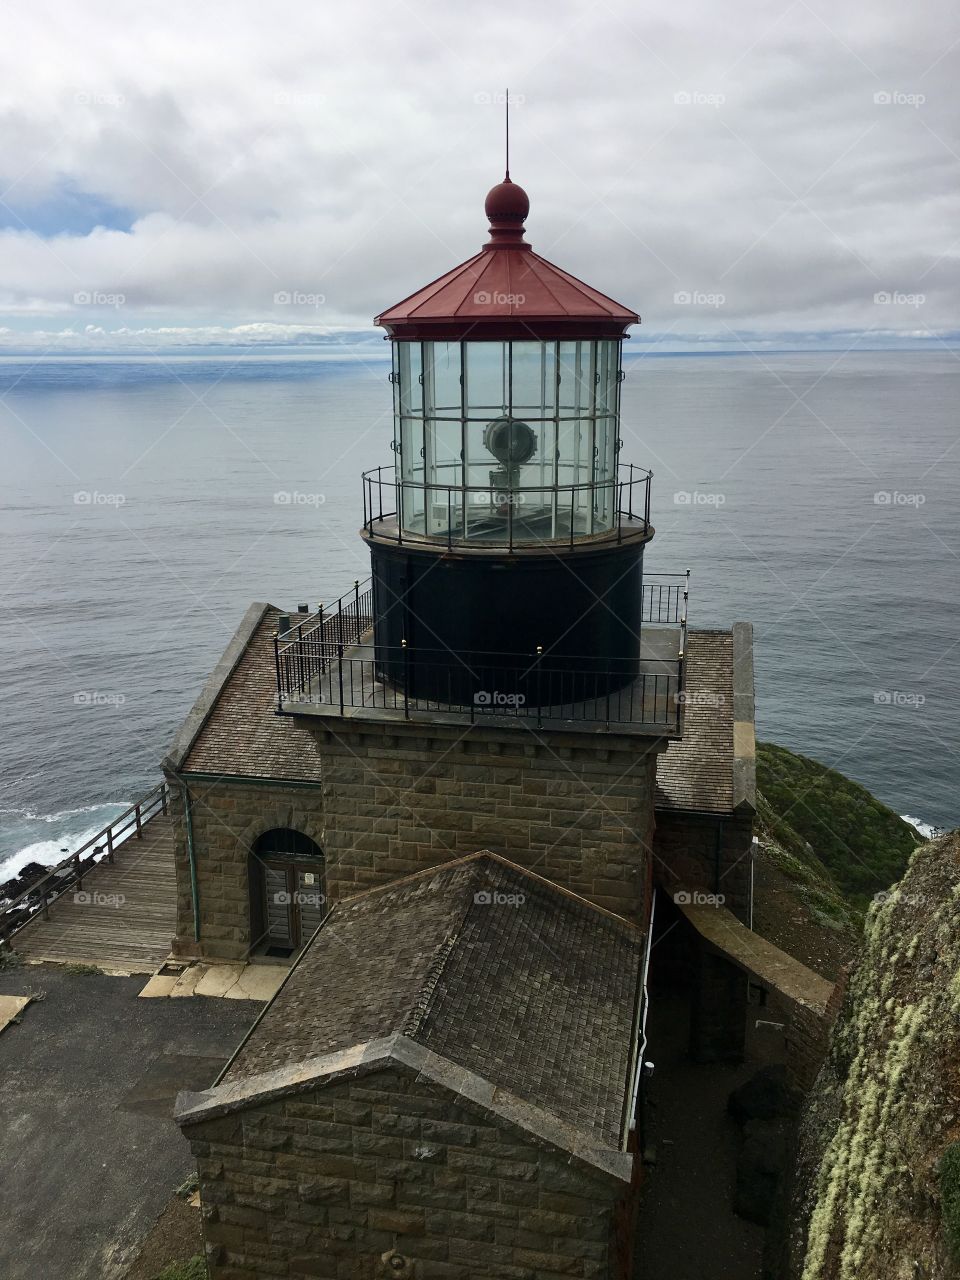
x: 822, y: 819
x: 813, y: 884
x: 950, y: 1197
x: 193, y: 1269
x: 83, y: 969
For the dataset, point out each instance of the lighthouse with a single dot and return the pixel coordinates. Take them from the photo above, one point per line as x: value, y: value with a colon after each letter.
x: 507, y: 537
x: 494, y: 775
x: 512, y: 685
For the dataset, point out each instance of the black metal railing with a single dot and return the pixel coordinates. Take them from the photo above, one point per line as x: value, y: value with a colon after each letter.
x: 68, y: 874
x: 524, y: 515
x: 305, y: 644
x: 665, y: 597
x: 329, y: 659
x: 519, y: 686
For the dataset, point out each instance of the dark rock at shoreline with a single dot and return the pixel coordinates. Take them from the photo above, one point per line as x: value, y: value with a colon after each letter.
x: 32, y: 872
x: 28, y: 877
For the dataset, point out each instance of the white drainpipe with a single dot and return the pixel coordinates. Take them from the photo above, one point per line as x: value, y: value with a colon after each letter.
x: 642, y: 1032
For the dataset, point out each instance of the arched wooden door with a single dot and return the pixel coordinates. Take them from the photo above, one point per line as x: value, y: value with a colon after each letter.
x: 288, y: 891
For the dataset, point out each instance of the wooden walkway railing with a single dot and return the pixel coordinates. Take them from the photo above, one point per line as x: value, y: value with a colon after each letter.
x: 69, y: 873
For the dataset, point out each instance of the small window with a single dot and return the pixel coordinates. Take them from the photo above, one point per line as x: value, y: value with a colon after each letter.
x: 284, y: 842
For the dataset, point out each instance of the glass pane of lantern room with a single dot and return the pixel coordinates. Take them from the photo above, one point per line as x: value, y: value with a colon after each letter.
x: 486, y: 398
x: 605, y: 440
x: 409, y: 435
x: 604, y: 476
x: 442, y: 437
x: 533, y: 385
x: 575, y: 437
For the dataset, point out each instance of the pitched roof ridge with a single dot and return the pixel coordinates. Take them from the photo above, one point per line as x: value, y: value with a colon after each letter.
x: 416, y: 1018
x: 412, y: 877
x: 488, y: 855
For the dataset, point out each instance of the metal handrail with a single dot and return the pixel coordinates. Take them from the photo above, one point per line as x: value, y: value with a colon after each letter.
x: 665, y: 600
x: 74, y: 865
x: 564, y: 687
x: 305, y: 649
x: 682, y: 657
x: 626, y: 512
x: 304, y: 652
x: 579, y: 684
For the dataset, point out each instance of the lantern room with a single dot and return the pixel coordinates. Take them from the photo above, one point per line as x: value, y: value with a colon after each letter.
x: 506, y: 440
x: 508, y: 524
x: 506, y: 377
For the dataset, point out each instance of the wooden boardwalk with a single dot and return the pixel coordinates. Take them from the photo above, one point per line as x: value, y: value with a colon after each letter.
x: 125, y: 916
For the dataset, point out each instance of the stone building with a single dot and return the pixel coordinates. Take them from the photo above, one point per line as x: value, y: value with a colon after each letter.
x: 606, y: 814
x: 445, y: 1085
x: 442, y: 1088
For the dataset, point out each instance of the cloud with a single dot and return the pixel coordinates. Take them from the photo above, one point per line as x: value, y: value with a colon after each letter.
x: 333, y: 343
x: 796, y: 163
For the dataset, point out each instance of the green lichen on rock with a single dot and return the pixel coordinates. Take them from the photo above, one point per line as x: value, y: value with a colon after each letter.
x: 871, y: 1197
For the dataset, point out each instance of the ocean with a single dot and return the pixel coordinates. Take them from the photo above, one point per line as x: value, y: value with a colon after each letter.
x: 814, y: 495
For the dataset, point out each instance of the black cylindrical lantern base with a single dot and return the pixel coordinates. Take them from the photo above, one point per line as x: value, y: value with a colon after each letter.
x: 548, y: 628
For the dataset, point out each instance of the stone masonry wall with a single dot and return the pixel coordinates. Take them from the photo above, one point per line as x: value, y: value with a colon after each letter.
x: 227, y: 819
x: 565, y: 806
x: 569, y: 807
x: 685, y: 855
x: 718, y: 1013
x: 807, y: 1035
x: 326, y: 1183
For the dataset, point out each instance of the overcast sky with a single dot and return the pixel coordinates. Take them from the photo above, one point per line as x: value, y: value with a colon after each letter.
x: 171, y: 172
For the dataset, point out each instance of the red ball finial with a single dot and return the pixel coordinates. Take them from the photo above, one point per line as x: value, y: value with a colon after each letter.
x: 507, y: 206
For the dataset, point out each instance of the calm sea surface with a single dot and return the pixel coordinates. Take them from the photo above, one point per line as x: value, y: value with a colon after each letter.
x: 767, y: 472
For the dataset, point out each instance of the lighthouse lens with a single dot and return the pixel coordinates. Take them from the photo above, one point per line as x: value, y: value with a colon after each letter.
x: 510, y: 441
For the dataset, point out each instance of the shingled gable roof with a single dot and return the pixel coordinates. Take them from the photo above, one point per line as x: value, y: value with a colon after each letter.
x: 533, y: 992
x: 234, y: 730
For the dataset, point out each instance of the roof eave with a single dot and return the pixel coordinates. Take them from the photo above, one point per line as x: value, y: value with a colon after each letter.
x: 515, y: 327
x: 535, y: 1124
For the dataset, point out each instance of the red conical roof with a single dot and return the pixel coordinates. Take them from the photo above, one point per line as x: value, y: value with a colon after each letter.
x: 507, y: 291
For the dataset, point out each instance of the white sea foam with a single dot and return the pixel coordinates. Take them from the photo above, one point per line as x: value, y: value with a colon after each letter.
x: 51, y: 849
x: 926, y: 829
x: 31, y: 816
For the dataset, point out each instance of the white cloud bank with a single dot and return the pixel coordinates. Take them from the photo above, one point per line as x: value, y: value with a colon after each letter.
x: 280, y: 173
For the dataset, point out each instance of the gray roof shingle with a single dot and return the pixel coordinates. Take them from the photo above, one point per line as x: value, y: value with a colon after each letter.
x: 243, y: 735
x: 537, y: 996
x: 696, y: 771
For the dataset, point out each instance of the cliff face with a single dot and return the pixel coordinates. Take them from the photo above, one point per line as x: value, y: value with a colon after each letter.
x: 867, y: 1200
